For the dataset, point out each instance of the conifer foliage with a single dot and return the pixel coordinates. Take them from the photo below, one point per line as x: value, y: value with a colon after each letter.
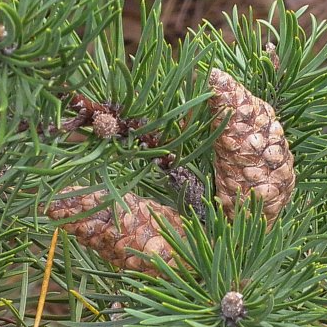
x: 143, y: 161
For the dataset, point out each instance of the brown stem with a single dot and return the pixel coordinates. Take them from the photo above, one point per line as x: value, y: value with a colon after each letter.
x: 79, y: 103
x: 87, y: 110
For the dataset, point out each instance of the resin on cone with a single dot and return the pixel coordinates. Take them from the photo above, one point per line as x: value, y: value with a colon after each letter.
x: 252, y: 152
x: 138, y: 229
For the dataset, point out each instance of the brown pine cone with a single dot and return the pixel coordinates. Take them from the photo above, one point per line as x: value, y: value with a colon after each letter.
x: 252, y: 152
x: 139, y: 230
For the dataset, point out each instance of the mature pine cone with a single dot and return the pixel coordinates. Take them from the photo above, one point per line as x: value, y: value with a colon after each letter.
x: 139, y: 230
x: 252, y: 152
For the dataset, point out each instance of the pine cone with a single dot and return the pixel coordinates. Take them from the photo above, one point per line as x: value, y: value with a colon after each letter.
x: 139, y: 230
x: 252, y: 152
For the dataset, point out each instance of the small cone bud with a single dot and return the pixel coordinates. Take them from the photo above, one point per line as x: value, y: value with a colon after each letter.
x: 194, y: 190
x: 138, y: 229
x: 271, y: 51
x: 3, y: 32
x: 232, y: 307
x: 116, y: 316
x: 105, y: 125
x: 3, y: 170
x: 252, y: 152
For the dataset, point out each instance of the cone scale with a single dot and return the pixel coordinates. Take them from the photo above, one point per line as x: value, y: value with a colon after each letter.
x: 252, y: 152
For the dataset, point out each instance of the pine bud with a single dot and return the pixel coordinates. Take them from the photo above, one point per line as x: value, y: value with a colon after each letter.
x: 105, y: 125
x: 138, y: 229
x: 194, y: 190
x: 3, y: 32
x: 232, y: 307
x: 116, y: 316
x: 252, y: 152
x: 271, y: 51
x: 3, y: 170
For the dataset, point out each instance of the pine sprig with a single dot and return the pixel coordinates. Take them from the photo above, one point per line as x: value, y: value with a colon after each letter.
x: 295, y: 87
x: 158, y: 88
x: 280, y: 275
x: 280, y: 65
x: 38, y: 158
x: 275, y: 275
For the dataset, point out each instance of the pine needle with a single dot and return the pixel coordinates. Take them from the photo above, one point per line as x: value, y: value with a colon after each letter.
x: 86, y: 304
x: 46, y: 279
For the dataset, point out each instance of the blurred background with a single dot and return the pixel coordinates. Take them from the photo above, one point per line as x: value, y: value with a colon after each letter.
x: 178, y: 15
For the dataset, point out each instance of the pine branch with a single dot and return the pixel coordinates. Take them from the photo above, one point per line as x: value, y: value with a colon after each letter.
x: 156, y: 144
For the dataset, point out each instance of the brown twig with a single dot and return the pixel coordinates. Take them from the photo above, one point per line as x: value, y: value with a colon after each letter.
x: 91, y: 113
x: 87, y: 111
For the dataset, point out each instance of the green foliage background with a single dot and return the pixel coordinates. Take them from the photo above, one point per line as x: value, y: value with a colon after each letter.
x: 42, y: 51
